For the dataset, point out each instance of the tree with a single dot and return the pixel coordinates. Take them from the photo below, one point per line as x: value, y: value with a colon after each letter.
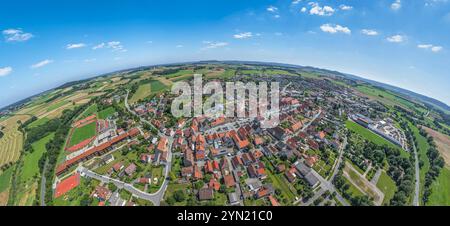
x: 179, y: 196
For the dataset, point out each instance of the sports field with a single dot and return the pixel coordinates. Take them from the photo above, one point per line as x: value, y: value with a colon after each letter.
x: 83, y: 133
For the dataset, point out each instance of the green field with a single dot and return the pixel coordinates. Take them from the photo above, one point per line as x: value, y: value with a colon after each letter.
x: 440, y: 195
x: 31, y: 160
x: 388, y: 98
x: 89, y: 111
x: 141, y: 93
x: 5, y: 179
x: 83, y: 133
x: 179, y: 73
x: 157, y: 86
x: 106, y: 113
x: 57, y: 105
x: 39, y: 122
x: 387, y: 186
x: 369, y: 135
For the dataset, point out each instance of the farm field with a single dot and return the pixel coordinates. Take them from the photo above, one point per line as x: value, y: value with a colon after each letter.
x: 157, y: 86
x: 89, y: 111
x: 12, y: 141
x: 441, y: 189
x: 5, y: 183
x: 39, y: 122
x: 83, y: 133
x: 30, y: 161
x: 388, y: 98
x: 387, y: 186
x: 442, y: 142
x: 142, y: 92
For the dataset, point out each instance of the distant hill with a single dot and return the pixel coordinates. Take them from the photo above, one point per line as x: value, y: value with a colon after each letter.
x: 430, y: 102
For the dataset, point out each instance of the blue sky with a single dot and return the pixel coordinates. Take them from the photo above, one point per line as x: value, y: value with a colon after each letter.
x: 46, y: 43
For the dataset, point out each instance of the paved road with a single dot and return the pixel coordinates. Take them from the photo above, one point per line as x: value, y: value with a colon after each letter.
x: 417, y: 184
x: 155, y: 198
x: 43, y: 181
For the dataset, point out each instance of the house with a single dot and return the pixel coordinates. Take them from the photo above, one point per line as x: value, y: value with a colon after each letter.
x: 146, y: 158
x: 253, y: 184
x: 257, y: 170
x: 101, y: 193
x: 188, y: 157
x: 187, y: 172
x: 236, y: 161
x: 118, y: 167
x: 206, y: 194
x: 162, y: 145
x: 130, y: 169
x: 108, y: 159
x: 277, y: 132
x: 214, y: 184
x: 273, y: 201
x: 197, y: 173
x: 233, y: 198
x: 264, y: 191
x: 229, y: 181
x: 281, y: 168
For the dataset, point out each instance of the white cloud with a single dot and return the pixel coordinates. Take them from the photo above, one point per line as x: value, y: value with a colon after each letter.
x: 396, y: 39
x: 345, y: 7
x: 5, y: 71
x: 214, y: 45
x: 75, y: 46
x: 369, y: 32
x: 303, y: 10
x: 244, y: 35
x: 115, y: 46
x: 179, y: 46
x: 272, y: 9
x: 396, y: 5
x: 328, y: 28
x: 41, y: 64
x: 431, y: 47
x: 295, y: 2
x: 320, y: 11
x: 16, y: 35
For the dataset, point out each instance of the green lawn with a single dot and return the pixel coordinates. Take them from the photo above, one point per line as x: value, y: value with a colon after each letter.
x: 369, y: 135
x: 440, y: 195
x: 106, y: 113
x: 353, y: 191
x: 387, y: 186
x: 89, y: 111
x: 31, y: 160
x: 5, y: 179
x: 279, y: 182
x: 83, y: 133
x: 172, y: 187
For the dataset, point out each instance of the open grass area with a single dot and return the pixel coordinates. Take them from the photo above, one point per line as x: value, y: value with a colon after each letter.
x: 387, y: 186
x: 106, y: 113
x: 180, y: 73
x: 279, y: 182
x: 157, y: 86
x: 369, y: 135
x: 352, y: 190
x: 39, y: 122
x: 388, y: 98
x: 142, y: 92
x: 57, y: 105
x: 440, y: 195
x: 5, y: 179
x: 30, y: 161
x: 89, y: 111
x: 173, y: 187
x: 83, y: 133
